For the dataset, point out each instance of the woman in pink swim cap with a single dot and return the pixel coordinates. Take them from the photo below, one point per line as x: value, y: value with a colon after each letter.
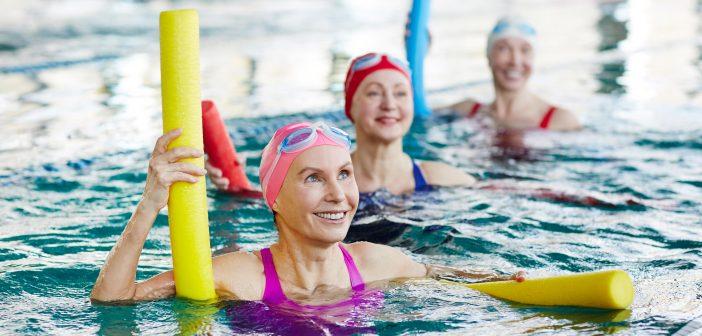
x: 378, y: 95
x: 510, y: 54
x: 308, y: 181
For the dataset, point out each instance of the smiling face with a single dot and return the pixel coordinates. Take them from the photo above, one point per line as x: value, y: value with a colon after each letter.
x: 319, y: 196
x: 382, y: 106
x: 511, y: 60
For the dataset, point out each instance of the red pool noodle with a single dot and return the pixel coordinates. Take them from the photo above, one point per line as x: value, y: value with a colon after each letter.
x: 220, y: 149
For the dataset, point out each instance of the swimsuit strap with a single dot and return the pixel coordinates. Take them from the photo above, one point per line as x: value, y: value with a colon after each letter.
x: 357, y: 283
x: 273, y: 292
x: 547, y: 117
x: 474, y: 110
x: 420, y: 182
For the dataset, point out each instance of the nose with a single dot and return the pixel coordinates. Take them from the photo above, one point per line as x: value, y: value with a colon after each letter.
x: 515, y: 57
x: 335, y: 193
x: 389, y: 102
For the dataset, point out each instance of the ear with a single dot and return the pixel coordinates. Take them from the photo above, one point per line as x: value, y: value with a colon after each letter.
x: 275, y: 206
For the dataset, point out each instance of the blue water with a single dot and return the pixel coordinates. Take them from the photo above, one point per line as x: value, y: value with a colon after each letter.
x: 80, y: 100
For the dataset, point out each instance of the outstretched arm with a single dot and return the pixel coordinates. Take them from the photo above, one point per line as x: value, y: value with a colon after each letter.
x: 441, y: 174
x: 443, y: 272
x: 381, y: 262
x: 116, y: 281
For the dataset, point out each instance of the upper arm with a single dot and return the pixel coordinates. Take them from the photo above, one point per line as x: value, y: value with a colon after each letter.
x: 463, y: 107
x: 441, y: 174
x: 159, y: 286
x: 236, y: 275
x: 564, y: 120
x: 239, y: 275
x: 381, y: 262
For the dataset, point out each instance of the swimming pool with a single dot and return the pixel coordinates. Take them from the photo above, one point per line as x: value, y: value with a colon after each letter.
x: 80, y: 105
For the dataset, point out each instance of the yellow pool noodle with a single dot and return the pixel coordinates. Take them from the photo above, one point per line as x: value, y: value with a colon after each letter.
x: 187, y: 203
x: 605, y: 289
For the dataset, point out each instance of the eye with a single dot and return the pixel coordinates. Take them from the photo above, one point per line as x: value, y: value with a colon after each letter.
x: 372, y: 93
x: 344, y: 174
x: 312, y: 178
x: 401, y: 93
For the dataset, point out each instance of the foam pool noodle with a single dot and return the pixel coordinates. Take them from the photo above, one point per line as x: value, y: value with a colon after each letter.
x: 610, y: 289
x: 187, y: 203
x: 221, y: 151
x: 416, y: 45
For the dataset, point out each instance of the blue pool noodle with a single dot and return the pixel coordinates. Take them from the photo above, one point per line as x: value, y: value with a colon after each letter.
x: 416, y: 44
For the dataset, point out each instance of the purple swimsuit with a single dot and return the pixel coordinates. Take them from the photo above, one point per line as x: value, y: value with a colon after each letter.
x: 277, y: 314
x: 273, y: 293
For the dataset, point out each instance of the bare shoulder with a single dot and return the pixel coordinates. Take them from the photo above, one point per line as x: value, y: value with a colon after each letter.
x: 381, y: 262
x: 441, y: 174
x: 463, y: 107
x: 239, y: 275
x: 564, y: 120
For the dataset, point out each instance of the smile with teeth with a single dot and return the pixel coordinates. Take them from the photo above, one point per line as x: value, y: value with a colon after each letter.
x: 513, y: 74
x: 331, y: 215
x: 386, y: 120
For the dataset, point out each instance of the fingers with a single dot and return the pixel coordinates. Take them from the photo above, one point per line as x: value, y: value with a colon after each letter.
x: 164, y: 140
x: 222, y: 183
x: 169, y: 178
x: 188, y: 168
x: 519, y: 276
x: 216, y: 176
x: 213, y: 171
x: 178, y: 153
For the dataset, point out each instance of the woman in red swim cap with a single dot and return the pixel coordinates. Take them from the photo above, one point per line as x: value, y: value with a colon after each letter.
x: 378, y: 99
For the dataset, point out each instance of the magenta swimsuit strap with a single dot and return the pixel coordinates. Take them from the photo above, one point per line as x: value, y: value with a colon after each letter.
x: 273, y: 292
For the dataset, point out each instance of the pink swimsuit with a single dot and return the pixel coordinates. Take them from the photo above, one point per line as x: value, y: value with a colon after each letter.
x: 273, y: 292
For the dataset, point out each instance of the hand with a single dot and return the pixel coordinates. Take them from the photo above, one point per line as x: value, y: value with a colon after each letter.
x: 164, y: 170
x: 519, y: 276
x: 215, y: 174
x: 408, y: 33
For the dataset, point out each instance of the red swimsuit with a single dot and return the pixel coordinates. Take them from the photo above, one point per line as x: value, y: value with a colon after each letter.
x: 545, y: 121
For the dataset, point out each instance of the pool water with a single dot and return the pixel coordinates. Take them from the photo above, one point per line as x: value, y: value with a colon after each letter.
x: 80, y: 111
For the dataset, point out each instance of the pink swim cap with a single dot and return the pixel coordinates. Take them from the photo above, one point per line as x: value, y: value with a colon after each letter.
x: 277, y: 169
x: 362, y: 66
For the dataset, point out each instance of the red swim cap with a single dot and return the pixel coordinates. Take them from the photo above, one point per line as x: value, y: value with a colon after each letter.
x: 365, y: 65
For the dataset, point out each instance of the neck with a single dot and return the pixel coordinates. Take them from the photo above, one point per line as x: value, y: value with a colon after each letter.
x: 509, y: 104
x: 306, y: 264
x: 378, y: 162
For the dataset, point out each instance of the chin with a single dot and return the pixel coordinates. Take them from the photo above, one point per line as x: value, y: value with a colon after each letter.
x: 332, y: 231
x: 390, y: 133
x: 512, y: 85
x: 334, y: 236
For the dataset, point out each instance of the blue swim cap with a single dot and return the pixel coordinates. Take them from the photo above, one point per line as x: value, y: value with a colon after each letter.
x: 511, y: 26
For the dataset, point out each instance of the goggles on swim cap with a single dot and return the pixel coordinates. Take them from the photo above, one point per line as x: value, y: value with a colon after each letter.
x: 511, y: 27
x: 305, y: 137
x: 362, y: 67
x: 522, y: 27
x: 372, y: 59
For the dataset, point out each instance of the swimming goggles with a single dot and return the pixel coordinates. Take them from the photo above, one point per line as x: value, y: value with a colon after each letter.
x: 303, y: 138
x: 372, y: 59
x: 523, y: 28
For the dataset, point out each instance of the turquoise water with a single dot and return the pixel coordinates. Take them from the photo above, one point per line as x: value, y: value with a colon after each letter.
x: 79, y: 105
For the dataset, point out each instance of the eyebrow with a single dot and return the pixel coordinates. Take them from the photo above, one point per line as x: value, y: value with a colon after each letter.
x: 315, y: 169
x: 381, y: 85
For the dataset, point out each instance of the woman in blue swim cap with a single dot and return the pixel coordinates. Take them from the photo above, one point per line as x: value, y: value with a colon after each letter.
x: 510, y: 53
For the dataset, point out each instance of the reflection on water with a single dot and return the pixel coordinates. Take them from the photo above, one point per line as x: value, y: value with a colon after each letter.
x: 80, y: 108
x: 613, y: 30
